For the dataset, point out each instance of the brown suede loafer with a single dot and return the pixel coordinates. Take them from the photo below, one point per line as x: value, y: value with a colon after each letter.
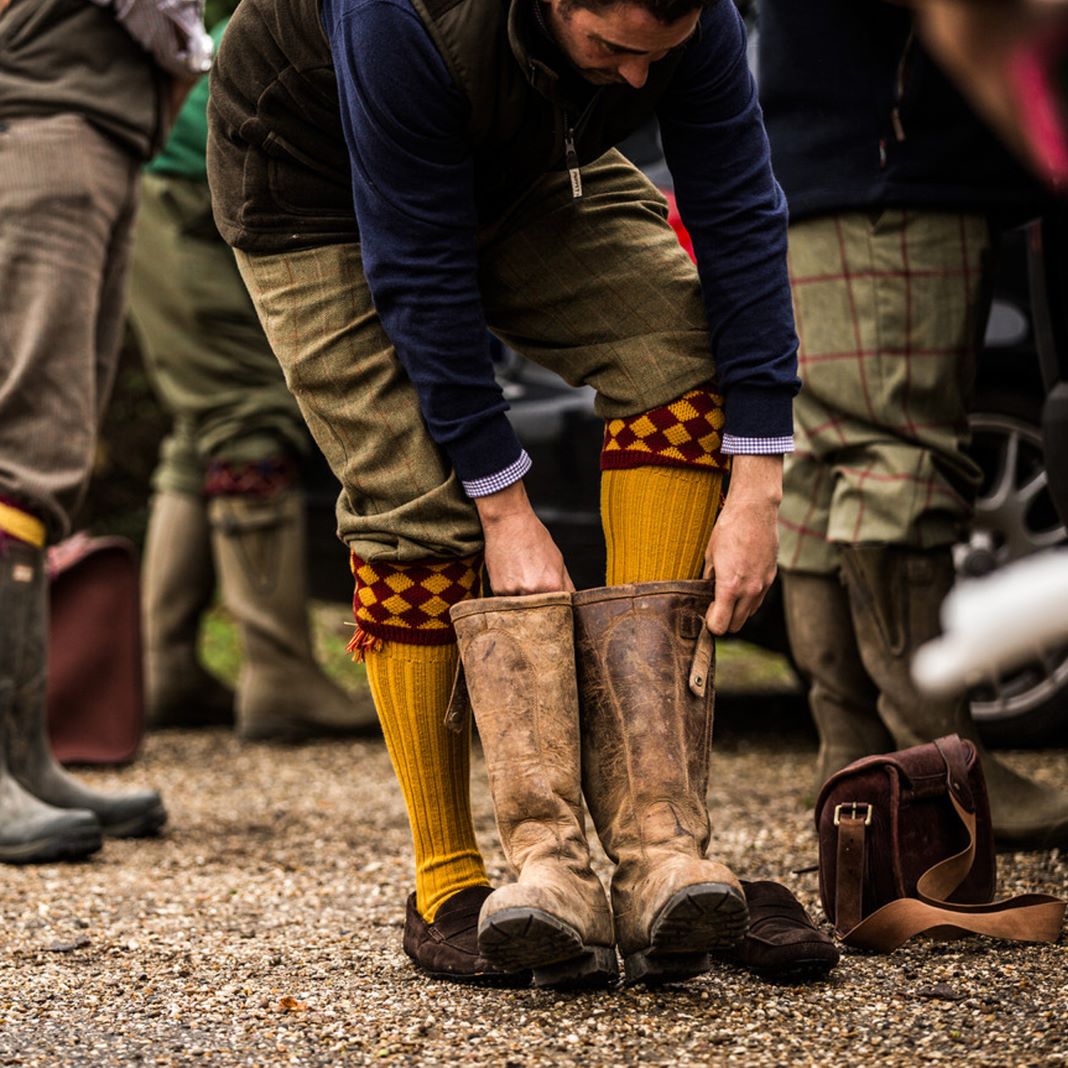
x: 448, y: 947
x: 782, y: 943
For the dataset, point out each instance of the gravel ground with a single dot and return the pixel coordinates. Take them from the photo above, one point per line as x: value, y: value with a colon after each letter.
x: 264, y: 929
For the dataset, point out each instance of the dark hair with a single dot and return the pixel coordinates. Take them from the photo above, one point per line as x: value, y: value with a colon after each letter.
x: 665, y: 11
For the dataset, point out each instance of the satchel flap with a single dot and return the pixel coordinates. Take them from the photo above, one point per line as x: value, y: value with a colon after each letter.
x: 881, y: 762
x: 921, y: 768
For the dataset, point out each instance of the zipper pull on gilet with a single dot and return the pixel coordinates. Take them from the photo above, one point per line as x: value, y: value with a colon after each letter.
x: 571, y: 158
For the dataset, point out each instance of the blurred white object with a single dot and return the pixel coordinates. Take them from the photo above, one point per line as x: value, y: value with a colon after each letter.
x: 996, y: 623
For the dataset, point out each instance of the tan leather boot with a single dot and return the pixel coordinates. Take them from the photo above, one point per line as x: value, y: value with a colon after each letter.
x: 177, y: 586
x: 842, y: 698
x: 519, y: 661
x: 895, y: 595
x: 282, y: 693
x: 646, y: 736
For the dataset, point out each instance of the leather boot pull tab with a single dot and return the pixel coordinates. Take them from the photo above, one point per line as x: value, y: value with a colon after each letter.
x: 702, y: 663
x: 459, y: 703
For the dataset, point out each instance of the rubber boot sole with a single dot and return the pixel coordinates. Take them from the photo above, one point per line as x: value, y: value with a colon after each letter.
x: 693, y: 923
x: 521, y: 938
x: 74, y: 846
x: 145, y: 824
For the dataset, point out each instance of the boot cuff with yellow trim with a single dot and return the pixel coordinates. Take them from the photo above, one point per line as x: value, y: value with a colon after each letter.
x: 19, y: 524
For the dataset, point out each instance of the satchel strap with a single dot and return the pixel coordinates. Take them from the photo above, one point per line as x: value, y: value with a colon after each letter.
x: 849, y: 891
x: 1027, y: 918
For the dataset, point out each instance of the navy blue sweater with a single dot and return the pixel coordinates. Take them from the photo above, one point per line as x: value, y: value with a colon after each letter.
x: 405, y: 124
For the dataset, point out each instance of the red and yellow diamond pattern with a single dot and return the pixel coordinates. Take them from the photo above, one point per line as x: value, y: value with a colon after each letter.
x: 684, y: 433
x: 410, y: 602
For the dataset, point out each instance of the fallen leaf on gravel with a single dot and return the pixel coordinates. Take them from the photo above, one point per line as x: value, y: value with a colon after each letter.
x: 290, y: 1004
x: 68, y: 947
x: 941, y: 992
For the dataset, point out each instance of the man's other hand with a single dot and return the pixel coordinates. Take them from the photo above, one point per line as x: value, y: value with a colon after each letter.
x: 742, y: 551
x: 521, y: 556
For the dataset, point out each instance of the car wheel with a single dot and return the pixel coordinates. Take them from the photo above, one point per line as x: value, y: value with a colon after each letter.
x: 1014, y: 517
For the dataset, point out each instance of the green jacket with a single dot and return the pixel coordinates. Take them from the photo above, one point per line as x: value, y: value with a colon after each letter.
x: 184, y: 151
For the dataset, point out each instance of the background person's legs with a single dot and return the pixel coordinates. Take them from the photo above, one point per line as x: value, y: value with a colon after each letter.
x: 63, y: 258
x: 227, y: 487
x: 888, y: 315
x: 177, y: 587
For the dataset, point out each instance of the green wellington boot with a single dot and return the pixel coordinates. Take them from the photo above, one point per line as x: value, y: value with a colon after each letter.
x: 31, y: 832
x: 282, y: 693
x: 177, y: 587
x: 842, y: 698
x: 24, y: 635
x: 895, y: 594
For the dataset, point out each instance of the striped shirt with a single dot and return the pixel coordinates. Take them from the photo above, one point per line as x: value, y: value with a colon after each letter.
x: 170, y: 31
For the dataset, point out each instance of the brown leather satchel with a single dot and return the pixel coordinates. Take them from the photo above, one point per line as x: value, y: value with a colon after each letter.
x: 906, y: 848
x: 95, y: 705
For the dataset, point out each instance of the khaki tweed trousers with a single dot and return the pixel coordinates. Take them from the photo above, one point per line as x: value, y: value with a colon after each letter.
x: 888, y: 316
x: 597, y: 290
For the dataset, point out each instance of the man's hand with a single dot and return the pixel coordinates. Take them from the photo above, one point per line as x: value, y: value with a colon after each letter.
x: 741, y: 552
x: 521, y: 556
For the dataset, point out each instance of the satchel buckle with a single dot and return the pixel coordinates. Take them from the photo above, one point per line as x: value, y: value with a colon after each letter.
x: 853, y: 812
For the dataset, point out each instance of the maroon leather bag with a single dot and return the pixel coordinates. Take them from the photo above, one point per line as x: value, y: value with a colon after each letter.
x: 906, y: 848
x: 95, y: 704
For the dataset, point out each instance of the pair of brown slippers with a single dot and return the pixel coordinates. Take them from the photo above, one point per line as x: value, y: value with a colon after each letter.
x: 782, y: 944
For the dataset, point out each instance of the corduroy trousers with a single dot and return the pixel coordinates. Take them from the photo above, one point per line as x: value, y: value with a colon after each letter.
x: 68, y: 198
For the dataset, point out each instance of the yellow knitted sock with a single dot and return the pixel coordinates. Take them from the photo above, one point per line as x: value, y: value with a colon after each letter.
x: 657, y: 521
x: 411, y: 685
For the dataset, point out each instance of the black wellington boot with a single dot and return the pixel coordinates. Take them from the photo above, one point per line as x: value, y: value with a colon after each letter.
x: 132, y: 814
x: 31, y: 832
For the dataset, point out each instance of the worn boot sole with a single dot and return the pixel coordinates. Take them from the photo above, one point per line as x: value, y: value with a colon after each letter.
x: 696, y: 921
x: 516, y: 939
x: 74, y: 846
x: 144, y: 825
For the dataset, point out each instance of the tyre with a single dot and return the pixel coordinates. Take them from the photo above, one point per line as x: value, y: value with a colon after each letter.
x: 1014, y: 517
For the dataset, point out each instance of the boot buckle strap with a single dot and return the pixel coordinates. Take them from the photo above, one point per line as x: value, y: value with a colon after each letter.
x: 701, y: 667
x: 459, y: 708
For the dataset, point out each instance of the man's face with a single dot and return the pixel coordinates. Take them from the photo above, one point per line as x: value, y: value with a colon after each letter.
x: 615, y: 46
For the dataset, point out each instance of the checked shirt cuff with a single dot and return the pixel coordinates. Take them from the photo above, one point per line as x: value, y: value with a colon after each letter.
x: 483, y: 487
x: 736, y: 446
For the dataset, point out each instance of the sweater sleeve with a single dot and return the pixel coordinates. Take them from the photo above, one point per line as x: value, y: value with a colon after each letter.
x: 405, y: 125
x: 716, y: 148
